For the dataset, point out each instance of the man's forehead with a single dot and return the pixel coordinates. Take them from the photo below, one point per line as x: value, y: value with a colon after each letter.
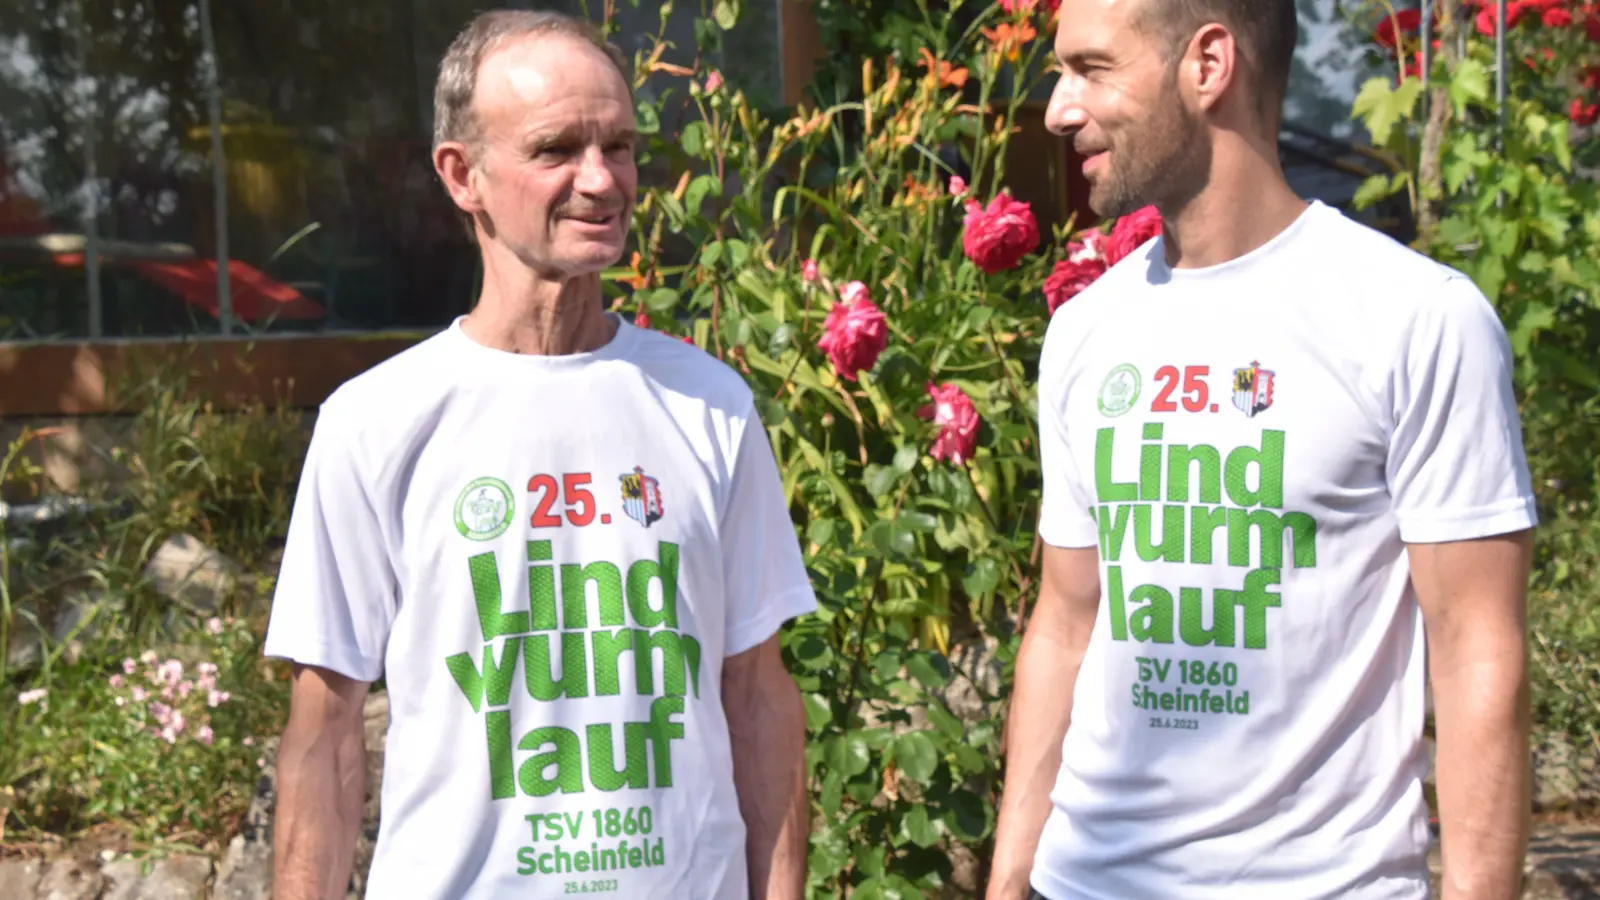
x: 542, y: 68
x: 1089, y: 24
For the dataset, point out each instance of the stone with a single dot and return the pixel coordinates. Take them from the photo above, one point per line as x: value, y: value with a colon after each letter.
x: 67, y: 879
x: 245, y: 872
x: 192, y: 574
x: 1564, y: 777
x: 20, y: 877
x: 174, y: 878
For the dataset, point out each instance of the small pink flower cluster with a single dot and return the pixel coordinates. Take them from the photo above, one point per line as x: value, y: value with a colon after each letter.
x: 165, y: 699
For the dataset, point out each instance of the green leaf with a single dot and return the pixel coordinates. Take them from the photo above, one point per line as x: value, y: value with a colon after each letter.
x: 945, y: 721
x: 647, y: 120
x: 727, y: 14
x: 738, y: 253
x: 820, y: 531
x: 923, y: 669
x: 710, y: 254
x: 1535, y: 317
x: 693, y: 138
x: 916, y: 756
x: 982, y: 576
x: 978, y: 315
x: 905, y: 458
x: 782, y: 337
x: 848, y: 754
x: 1373, y: 189
x: 1380, y: 107
x: 918, y: 521
x: 832, y: 791
x: 696, y: 194
x: 661, y: 300
x: 818, y: 715
x: 870, y: 859
x: 1470, y: 84
x: 813, y: 652
x: 920, y: 829
x: 967, y: 816
x: 1560, y: 143
x: 880, y: 480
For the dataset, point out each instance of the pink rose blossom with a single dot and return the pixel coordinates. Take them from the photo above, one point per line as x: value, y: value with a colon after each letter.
x: 214, y: 625
x: 128, y: 666
x: 139, y: 694
x: 116, y: 681
x: 713, y: 81
x: 855, y: 332
x: 1070, y: 279
x: 958, y: 185
x: 161, y: 712
x: 1131, y: 232
x: 958, y: 422
x: 177, y: 722
x: 204, y: 735
x: 169, y: 735
x: 999, y: 236
x: 249, y: 742
x: 642, y: 320
x: 809, y: 271
x: 217, y: 698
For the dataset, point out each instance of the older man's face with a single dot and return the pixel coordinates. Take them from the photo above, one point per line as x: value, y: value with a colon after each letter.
x: 558, y: 177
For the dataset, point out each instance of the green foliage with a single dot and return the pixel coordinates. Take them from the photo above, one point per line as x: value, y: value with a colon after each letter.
x: 1518, y: 210
x: 914, y: 558
x: 82, y: 753
x: 173, y: 759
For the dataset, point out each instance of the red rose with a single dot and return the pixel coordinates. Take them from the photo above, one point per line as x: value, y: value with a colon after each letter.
x: 1070, y: 279
x: 854, y: 333
x: 1592, y: 26
x: 1487, y: 15
x: 1584, y: 112
x: 1130, y: 233
x: 642, y: 320
x: 1384, y: 35
x: 958, y: 422
x: 999, y: 237
x: 1590, y: 78
x: 1556, y: 18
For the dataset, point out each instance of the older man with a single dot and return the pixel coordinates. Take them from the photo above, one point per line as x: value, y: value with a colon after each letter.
x: 560, y: 539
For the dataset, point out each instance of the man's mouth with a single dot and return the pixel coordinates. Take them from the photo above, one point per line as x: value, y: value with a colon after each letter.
x: 595, y: 219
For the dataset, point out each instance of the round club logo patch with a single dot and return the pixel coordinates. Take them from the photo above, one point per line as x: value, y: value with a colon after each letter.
x: 1119, y: 391
x: 484, y: 509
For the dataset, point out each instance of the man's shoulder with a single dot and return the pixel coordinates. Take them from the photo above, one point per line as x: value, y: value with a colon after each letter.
x: 684, y: 369
x: 398, y: 378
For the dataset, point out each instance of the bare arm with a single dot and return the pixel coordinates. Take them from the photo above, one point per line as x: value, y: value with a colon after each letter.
x: 321, y: 787
x: 1041, y: 708
x: 767, y: 728
x: 1473, y: 596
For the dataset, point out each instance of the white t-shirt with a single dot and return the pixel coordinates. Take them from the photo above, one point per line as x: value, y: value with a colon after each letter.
x: 1336, y: 388
x: 506, y: 539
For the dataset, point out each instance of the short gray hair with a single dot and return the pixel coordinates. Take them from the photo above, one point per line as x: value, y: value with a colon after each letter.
x: 453, y: 116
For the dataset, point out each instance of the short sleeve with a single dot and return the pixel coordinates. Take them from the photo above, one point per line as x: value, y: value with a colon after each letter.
x: 1457, y: 469
x: 764, y: 577
x: 1065, y: 517
x: 335, y: 597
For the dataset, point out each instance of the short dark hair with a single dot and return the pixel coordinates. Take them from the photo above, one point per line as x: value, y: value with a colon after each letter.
x: 1265, y: 32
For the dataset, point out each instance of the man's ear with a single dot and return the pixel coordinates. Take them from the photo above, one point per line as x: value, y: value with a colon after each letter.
x: 452, y: 161
x: 1211, y: 64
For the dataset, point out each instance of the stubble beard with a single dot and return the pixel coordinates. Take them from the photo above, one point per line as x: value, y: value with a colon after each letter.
x: 1169, y: 168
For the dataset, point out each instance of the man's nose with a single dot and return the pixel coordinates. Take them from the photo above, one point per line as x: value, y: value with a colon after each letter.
x: 1065, y: 115
x: 594, y: 174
